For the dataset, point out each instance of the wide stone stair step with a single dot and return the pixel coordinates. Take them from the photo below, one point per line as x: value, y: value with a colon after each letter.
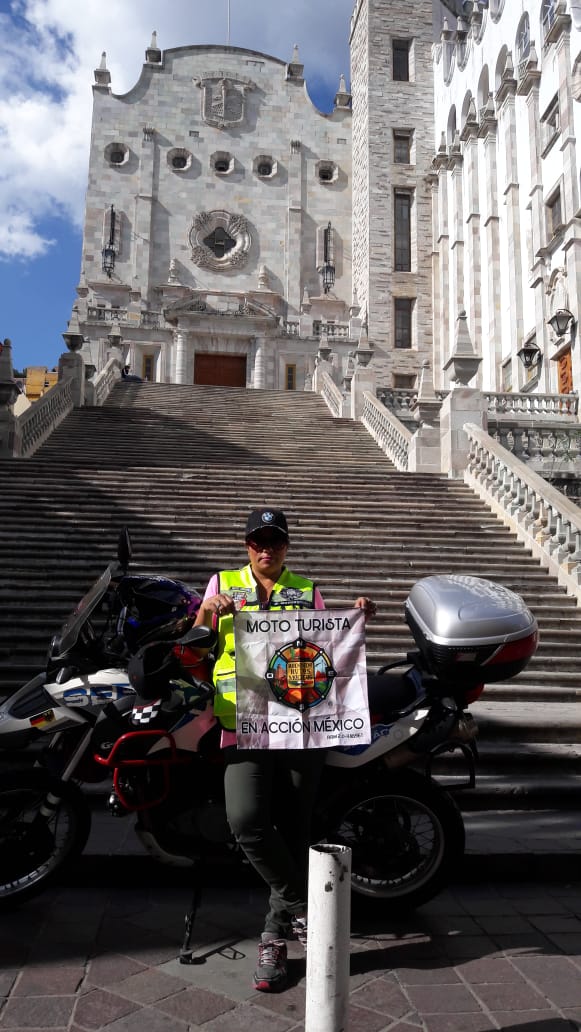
x: 181, y: 466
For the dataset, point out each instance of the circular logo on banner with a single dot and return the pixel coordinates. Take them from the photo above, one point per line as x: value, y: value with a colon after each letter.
x: 300, y: 675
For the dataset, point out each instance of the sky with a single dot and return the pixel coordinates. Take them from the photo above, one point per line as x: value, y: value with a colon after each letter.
x: 48, y: 52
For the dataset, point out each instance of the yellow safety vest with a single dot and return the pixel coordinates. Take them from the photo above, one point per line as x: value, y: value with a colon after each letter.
x: 290, y: 592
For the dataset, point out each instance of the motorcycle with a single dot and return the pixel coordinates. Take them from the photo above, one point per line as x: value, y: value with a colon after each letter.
x: 158, y: 741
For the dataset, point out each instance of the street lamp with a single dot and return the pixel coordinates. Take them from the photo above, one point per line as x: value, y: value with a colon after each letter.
x: 328, y: 270
x: 560, y: 321
x: 530, y: 355
x: 108, y: 252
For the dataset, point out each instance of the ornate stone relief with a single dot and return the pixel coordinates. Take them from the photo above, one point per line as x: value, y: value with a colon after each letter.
x: 223, y: 99
x: 219, y: 240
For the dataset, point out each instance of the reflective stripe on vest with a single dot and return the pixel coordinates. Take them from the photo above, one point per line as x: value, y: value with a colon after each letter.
x: 290, y: 592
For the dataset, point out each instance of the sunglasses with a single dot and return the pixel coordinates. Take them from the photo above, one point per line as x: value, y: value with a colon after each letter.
x: 274, y: 541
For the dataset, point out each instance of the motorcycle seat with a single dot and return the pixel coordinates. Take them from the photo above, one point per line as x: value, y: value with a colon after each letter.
x: 389, y: 694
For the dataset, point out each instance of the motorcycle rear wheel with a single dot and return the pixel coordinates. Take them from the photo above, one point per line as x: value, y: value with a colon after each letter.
x: 34, y: 848
x: 406, y: 836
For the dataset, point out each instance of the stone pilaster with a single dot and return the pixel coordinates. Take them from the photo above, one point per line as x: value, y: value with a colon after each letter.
x: 488, y: 133
x: 505, y: 100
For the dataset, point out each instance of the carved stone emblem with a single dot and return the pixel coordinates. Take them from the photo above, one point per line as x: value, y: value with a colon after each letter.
x: 223, y: 99
x: 219, y: 240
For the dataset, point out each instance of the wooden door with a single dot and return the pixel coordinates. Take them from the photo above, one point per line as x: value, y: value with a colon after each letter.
x: 565, y: 373
x: 220, y: 370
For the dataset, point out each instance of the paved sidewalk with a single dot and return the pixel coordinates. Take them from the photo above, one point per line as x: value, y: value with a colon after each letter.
x: 487, y: 956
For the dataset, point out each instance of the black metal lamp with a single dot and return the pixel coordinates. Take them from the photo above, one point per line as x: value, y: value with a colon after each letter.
x: 108, y: 252
x: 328, y: 270
x: 530, y: 355
x: 560, y: 321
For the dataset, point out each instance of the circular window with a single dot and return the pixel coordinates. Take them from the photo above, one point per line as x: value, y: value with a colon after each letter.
x: 327, y: 171
x: 179, y: 160
x: 222, y: 163
x: 265, y: 166
x: 116, y: 153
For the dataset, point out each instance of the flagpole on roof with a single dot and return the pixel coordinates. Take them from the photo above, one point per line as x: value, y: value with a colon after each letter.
x: 228, y: 33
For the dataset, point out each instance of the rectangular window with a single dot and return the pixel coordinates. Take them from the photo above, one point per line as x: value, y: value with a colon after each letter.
x: 401, y: 60
x: 550, y: 125
x: 290, y: 378
x: 554, y: 215
x: 403, y: 308
x: 403, y: 230
x: 404, y: 381
x: 402, y: 146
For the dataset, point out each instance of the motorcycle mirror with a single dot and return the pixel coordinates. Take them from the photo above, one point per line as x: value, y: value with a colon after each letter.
x: 202, y: 637
x: 124, y: 550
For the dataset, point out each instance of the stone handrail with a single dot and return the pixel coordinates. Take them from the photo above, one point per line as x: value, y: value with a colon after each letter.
x: 541, y: 517
x: 331, y: 395
x: 99, y: 387
x: 38, y: 422
x: 392, y: 436
x: 551, y: 447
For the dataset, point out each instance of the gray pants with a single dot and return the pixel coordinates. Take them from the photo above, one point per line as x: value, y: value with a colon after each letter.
x: 270, y: 795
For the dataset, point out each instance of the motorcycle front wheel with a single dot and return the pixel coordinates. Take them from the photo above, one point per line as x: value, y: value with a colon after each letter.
x: 406, y: 837
x: 44, y: 823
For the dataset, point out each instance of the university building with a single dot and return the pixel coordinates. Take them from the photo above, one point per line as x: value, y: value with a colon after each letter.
x: 233, y: 232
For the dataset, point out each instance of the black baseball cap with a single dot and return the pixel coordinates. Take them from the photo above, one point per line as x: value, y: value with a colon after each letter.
x: 266, y: 519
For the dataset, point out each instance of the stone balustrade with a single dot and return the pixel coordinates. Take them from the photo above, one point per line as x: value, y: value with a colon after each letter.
x: 392, y: 437
x: 331, y: 394
x: 541, y: 517
x: 564, y: 407
x: 38, y: 422
x: 99, y: 387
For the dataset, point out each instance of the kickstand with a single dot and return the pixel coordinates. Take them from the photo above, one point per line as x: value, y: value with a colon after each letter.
x: 186, y: 951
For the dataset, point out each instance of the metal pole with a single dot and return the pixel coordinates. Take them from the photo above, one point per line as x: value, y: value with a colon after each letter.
x: 228, y: 32
x: 329, y: 923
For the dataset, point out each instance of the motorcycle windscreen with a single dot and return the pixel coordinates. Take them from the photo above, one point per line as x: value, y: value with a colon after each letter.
x: 71, y: 628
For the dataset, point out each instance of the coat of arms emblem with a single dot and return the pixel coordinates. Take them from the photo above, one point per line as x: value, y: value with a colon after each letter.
x: 223, y: 99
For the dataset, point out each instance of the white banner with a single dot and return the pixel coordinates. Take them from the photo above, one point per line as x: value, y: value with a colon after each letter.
x: 301, y: 679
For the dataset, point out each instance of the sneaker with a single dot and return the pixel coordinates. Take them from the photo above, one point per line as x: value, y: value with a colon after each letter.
x: 271, y: 973
x: 299, y: 927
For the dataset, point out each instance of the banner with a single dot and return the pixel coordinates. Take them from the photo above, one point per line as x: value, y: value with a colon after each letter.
x: 301, y: 679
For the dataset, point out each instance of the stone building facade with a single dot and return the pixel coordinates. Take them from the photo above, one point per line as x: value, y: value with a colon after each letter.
x: 217, y: 237
x: 231, y: 228
x: 505, y: 175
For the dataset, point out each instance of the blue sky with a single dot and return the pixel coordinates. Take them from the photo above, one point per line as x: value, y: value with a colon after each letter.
x: 48, y: 51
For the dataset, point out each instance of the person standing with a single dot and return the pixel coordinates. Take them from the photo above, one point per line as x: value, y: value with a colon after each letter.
x: 270, y: 795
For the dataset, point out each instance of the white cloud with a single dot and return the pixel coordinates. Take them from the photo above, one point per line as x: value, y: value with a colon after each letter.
x: 49, y: 49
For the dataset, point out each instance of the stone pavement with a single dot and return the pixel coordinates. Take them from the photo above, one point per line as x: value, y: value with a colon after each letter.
x: 90, y: 955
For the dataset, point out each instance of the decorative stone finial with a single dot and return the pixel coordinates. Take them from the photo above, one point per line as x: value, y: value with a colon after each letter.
x: 295, y: 68
x: 73, y: 337
x: 172, y: 276
x: 114, y: 336
x: 8, y: 387
x: 463, y: 361
x: 102, y: 73
x: 306, y: 301
x: 263, y: 278
x: 342, y: 96
x: 153, y: 53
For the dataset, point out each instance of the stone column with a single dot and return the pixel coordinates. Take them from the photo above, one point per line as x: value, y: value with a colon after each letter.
x: 473, y: 289
x: 184, y: 358
x: 442, y: 242
x: 425, y: 449
x: 487, y: 133
x: 505, y: 100
x: 71, y: 367
x: 463, y: 404
x: 259, y: 371
x: 529, y: 85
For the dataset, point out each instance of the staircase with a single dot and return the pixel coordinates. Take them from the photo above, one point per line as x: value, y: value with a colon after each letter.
x: 181, y: 467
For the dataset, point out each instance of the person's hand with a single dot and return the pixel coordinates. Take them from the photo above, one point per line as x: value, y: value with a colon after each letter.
x: 366, y: 604
x: 215, y: 606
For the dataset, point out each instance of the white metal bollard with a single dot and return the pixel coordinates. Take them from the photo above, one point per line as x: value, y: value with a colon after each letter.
x: 329, y: 927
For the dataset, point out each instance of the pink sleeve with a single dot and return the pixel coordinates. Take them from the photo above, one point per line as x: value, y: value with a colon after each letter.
x: 318, y: 600
x: 212, y: 588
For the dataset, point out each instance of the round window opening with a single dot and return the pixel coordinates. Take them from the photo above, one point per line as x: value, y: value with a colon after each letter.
x: 117, y: 157
x: 221, y: 165
x: 265, y: 169
x: 179, y: 161
x: 325, y: 175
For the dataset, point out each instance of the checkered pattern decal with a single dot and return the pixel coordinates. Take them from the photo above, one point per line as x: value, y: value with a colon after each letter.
x: 145, y: 714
